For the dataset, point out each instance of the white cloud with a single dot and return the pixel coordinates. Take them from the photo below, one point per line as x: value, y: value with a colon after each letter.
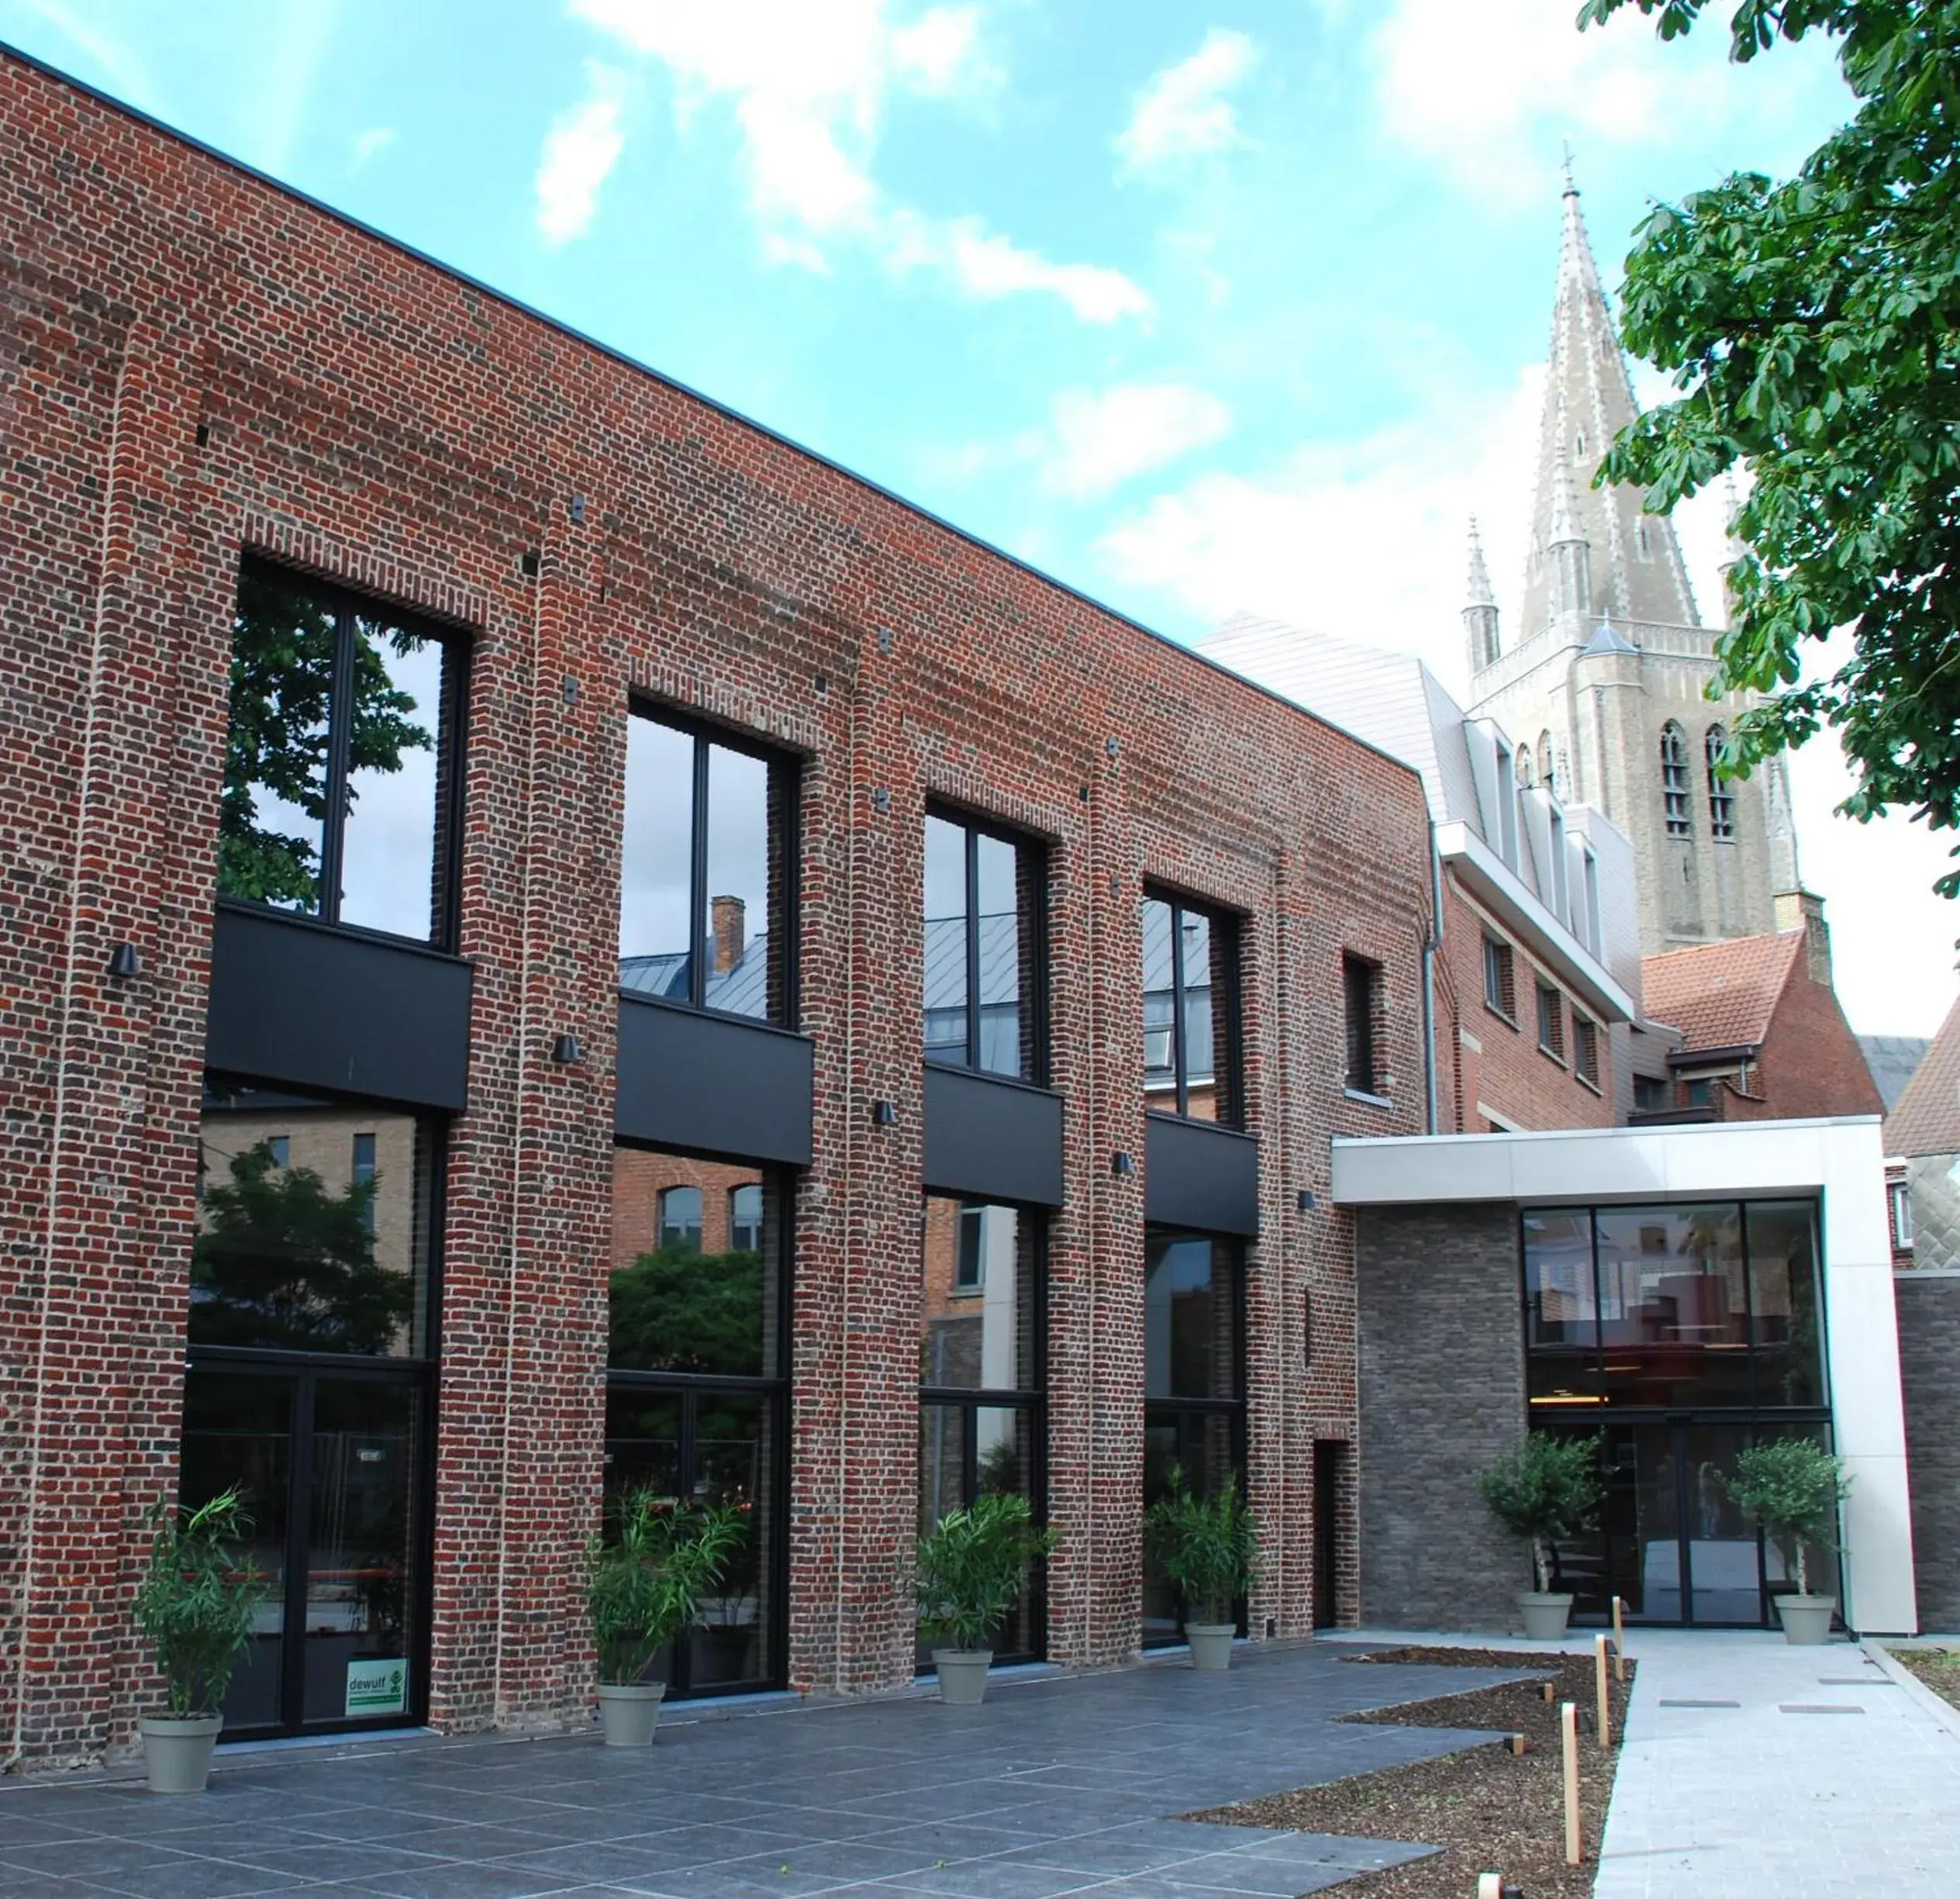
x: 808, y: 82
x: 1101, y: 441
x: 1183, y: 110
x: 580, y: 150
x: 370, y: 143
x: 1486, y: 88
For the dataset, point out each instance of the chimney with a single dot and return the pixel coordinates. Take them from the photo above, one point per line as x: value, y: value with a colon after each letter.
x: 730, y: 917
x: 1798, y: 910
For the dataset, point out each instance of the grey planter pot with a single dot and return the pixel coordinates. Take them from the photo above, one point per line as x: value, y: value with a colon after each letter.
x: 629, y: 1711
x: 1211, y: 1645
x: 177, y: 1753
x: 963, y: 1674
x: 1545, y: 1614
x: 1806, y: 1619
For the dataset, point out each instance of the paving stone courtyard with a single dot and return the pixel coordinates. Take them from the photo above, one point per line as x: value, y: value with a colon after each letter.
x: 1058, y: 1785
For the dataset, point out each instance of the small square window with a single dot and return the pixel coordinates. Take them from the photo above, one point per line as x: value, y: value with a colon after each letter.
x: 1500, y: 982
x: 1552, y: 1021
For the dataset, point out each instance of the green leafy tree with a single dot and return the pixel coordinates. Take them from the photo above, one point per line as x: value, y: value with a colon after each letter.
x: 1544, y: 1489
x: 1790, y: 1489
x: 680, y: 1310
x: 282, y: 690
x: 283, y: 1263
x: 1810, y: 325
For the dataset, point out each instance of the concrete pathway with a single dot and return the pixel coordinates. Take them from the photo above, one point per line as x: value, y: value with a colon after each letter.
x: 1753, y: 1770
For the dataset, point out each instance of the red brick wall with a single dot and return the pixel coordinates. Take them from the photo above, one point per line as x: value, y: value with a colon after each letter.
x: 1810, y: 1063
x: 1497, y: 1062
x: 195, y: 365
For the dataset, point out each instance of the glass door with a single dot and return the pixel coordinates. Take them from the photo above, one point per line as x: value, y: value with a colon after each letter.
x: 331, y: 1468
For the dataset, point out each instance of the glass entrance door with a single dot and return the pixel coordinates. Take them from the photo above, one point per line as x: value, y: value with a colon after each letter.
x: 331, y: 1466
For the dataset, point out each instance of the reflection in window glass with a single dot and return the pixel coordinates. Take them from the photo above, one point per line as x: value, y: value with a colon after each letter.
x: 696, y: 1248
x: 1200, y: 1058
x: 1783, y: 1299
x: 1673, y: 1305
x: 1186, y: 964
x: 387, y: 864
x: 977, y: 1317
x: 298, y: 1247
x: 1190, y: 1316
x: 998, y: 923
x: 656, y: 861
x: 1562, y: 1317
x: 1204, y: 1447
x: 946, y: 942
x: 739, y: 918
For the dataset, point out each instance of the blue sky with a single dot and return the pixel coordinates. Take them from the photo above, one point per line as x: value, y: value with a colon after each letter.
x: 1195, y: 309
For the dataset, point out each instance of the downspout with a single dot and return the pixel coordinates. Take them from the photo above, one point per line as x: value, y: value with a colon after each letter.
x: 1432, y: 942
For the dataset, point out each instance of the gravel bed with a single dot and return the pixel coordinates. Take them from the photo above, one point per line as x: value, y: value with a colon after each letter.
x: 1939, y: 1668
x: 1490, y: 1810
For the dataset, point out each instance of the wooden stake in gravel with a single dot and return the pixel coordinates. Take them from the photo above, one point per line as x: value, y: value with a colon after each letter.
x: 1568, y: 1734
x: 1490, y: 1886
x: 1605, y: 1693
x: 1619, y: 1638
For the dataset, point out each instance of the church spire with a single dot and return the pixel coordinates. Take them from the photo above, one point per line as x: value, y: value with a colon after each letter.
x: 1637, y: 573
x: 1480, y: 607
x: 1567, y: 550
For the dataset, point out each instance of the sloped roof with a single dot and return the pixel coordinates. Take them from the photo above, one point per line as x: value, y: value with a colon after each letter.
x: 1927, y: 1119
x: 1721, y: 994
x: 1893, y: 1059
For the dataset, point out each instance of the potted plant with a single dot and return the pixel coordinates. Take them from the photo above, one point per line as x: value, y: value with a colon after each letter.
x: 195, y: 1605
x: 1208, y: 1548
x: 1790, y: 1489
x: 972, y: 1565
x: 644, y: 1587
x: 1544, y: 1489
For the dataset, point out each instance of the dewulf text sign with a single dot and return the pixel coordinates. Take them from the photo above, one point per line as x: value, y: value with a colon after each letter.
x: 377, y: 1687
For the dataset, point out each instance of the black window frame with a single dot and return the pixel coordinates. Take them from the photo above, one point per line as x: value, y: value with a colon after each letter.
x: 1226, y: 929
x: 1361, y: 998
x: 452, y: 724
x: 1031, y: 892
x: 1552, y: 1020
x: 785, y: 836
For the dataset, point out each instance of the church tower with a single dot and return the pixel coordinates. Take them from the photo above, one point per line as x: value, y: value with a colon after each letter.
x: 1603, y: 678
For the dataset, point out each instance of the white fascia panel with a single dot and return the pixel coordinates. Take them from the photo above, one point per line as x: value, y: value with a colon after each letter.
x: 1505, y: 894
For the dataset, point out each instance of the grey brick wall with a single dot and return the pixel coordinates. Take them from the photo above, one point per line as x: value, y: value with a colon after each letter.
x: 1929, y: 1357
x: 1442, y: 1393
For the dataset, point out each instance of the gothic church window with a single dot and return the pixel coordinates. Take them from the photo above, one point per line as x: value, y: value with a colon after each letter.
x: 1578, y: 445
x: 1545, y: 777
x: 1524, y: 768
x: 1674, y: 780
x: 1721, y: 797
x: 1643, y: 543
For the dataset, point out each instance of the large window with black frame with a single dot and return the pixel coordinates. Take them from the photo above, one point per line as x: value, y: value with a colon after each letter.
x: 1677, y: 1335
x: 1190, y: 1018
x: 697, y: 1385
x: 1194, y: 1385
x: 343, y: 761
x: 310, y: 1390
x: 985, y: 948
x: 981, y: 1405
x: 708, y: 870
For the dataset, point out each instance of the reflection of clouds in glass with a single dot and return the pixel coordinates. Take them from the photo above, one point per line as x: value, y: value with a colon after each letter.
x: 945, y: 869
x: 655, y: 873
x: 738, y: 832
x: 389, y: 851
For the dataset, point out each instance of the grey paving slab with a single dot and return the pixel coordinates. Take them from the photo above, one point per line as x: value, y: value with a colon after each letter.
x: 1749, y: 1799
x: 1058, y: 1785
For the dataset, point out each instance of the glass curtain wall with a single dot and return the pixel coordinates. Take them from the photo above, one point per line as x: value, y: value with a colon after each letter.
x: 697, y: 1385
x: 981, y: 1407
x: 1194, y: 1385
x: 1679, y: 1335
x: 310, y: 1389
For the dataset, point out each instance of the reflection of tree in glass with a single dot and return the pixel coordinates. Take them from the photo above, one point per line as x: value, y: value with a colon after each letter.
x: 999, y: 1471
x: 282, y: 687
x: 283, y: 1263
x: 684, y: 1310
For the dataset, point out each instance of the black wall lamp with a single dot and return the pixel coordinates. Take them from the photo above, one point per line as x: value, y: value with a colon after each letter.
x: 566, y: 1050
x: 1122, y: 1163
x: 124, y: 963
x: 1307, y: 1203
x: 884, y: 1114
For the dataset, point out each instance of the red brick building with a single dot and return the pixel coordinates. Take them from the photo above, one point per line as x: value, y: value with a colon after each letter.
x: 393, y: 682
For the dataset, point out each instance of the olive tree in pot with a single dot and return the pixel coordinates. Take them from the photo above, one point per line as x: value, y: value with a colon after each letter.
x: 1790, y: 1489
x: 972, y: 1566
x: 1208, y: 1548
x: 1544, y: 1489
x: 645, y: 1586
x: 195, y: 1605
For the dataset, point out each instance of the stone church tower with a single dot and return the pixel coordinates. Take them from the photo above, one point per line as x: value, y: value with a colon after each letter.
x: 1601, y: 687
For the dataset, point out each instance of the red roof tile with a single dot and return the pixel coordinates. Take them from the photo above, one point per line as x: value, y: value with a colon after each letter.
x: 1927, y: 1119
x: 1721, y: 995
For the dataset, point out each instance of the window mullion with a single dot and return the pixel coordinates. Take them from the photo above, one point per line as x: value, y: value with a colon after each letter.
x: 697, y: 881
x: 972, y: 947
x: 339, y: 747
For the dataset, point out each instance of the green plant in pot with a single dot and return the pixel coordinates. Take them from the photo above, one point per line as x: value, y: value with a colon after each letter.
x: 646, y: 1586
x: 1544, y: 1489
x: 972, y: 1567
x: 196, y: 1607
x: 1208, y: 1549
x: 1790, y: 1489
